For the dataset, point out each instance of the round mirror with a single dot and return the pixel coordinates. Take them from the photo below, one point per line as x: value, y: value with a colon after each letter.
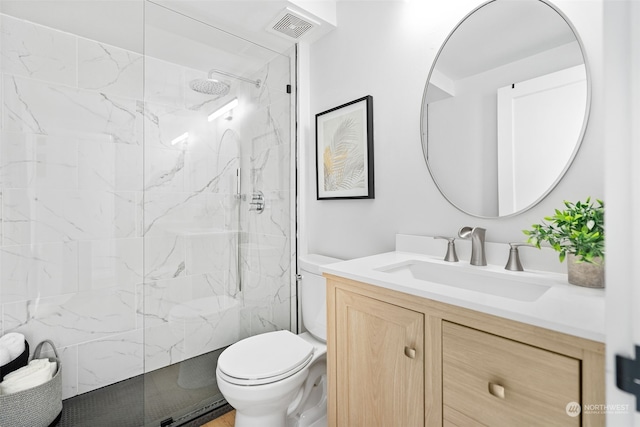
x: 505, y: 107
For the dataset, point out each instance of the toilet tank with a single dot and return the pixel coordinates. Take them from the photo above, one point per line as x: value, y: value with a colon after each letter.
x: 313, y: 294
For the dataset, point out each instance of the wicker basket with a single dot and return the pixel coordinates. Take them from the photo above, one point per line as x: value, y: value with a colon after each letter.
x: 39, y: 406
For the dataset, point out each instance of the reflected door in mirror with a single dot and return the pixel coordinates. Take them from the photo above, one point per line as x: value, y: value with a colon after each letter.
x: 539, y: 121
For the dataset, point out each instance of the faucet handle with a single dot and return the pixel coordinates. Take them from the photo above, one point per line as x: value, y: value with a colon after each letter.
x: 451, y: 255
x: 513, y: 263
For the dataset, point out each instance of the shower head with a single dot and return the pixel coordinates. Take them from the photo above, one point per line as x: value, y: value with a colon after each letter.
x: 209, y: 86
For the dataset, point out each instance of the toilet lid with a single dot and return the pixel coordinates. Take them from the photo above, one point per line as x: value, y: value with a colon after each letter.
x: 265, y: 356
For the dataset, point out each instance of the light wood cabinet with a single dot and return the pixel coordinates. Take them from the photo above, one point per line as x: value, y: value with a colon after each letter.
x: 468, y: 369
x: 380, y: 350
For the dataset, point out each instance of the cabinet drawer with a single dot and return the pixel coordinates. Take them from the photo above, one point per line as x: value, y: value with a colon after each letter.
x: 493, y: 381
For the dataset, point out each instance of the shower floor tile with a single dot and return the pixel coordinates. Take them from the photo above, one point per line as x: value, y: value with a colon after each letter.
x: 147, y: 400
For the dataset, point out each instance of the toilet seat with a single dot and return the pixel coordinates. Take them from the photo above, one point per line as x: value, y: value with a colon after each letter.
x: 265, y: 358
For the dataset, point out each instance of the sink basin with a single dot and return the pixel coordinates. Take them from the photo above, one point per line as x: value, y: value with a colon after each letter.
x: 477, y: 279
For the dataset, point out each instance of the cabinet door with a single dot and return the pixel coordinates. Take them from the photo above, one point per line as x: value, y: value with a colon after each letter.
x: 380, y: 363
x: 493, y: 381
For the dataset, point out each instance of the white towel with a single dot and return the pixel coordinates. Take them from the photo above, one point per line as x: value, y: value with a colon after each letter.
x: 5, y: 356
x: 53, y: 367
x: 34, y: 366
x: 14, y: 342
x: 37, y: 372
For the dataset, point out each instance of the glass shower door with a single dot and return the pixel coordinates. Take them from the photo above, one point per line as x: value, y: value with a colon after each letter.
x: 71, y: 257
x: 217, y: 132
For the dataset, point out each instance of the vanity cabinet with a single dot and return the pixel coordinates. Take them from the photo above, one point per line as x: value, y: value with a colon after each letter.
x: 380, y: 350
x: 400, y: 360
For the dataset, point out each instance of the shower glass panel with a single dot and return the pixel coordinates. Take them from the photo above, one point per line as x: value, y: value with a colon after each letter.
x: 126, y: 231
x: 215, y: 269
x: 71, y: 176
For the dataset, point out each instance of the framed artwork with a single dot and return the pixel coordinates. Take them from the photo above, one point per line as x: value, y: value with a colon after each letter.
x: 344, y: 151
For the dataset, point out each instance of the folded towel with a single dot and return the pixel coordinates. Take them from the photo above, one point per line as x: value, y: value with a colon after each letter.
x: 37, y: 372
x: 36, y: 365
x: 5, y: 356
x: 14, y: 342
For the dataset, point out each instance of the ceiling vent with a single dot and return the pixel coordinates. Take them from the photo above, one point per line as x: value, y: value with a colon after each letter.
x: 291, y: 25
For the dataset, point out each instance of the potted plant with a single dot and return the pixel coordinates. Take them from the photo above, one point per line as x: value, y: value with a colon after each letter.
x: 577, y: 233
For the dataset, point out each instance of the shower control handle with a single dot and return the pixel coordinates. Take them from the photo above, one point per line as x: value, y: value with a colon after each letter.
x: 257, y: 202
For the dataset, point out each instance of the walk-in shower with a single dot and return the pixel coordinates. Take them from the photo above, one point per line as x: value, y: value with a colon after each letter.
x: 127, y: 231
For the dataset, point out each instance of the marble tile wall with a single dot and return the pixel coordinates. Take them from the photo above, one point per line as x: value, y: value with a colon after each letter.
x: 116, y: 244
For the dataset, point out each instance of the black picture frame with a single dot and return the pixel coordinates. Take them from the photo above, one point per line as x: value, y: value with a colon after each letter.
x: 344, y: 151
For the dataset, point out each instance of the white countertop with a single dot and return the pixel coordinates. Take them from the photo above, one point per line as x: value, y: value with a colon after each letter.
x: 564, y: 308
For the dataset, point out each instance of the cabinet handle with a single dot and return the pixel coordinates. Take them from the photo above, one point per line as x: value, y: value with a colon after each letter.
x: 496, y: 390
x: 410, y: 352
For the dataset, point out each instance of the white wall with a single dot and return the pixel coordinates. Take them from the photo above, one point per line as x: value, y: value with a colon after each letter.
x: 385, y: 49
x: 622, y: 100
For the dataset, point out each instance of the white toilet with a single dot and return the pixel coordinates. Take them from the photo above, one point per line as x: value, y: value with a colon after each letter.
x: 278, y: 379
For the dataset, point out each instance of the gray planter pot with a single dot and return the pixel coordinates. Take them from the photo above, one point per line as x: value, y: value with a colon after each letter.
x: 585, y: 274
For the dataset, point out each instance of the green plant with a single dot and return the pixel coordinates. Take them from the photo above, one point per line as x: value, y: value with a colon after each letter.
x: 577, y: 230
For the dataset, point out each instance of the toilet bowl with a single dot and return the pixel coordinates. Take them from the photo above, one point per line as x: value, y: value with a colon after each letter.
x: 278, y: 379
x: 263, y: 377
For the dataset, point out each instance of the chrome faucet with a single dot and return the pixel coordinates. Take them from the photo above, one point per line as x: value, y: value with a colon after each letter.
x: 476, y: 234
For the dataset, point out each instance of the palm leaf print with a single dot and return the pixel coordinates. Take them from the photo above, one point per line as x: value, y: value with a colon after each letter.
x: 343, y: 158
